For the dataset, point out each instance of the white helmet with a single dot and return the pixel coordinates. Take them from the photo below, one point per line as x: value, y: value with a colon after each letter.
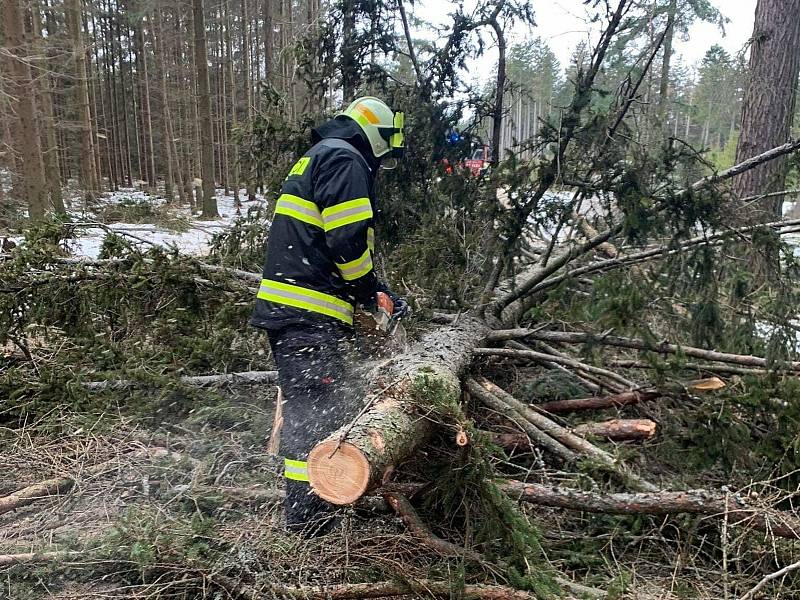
x: 382, y: 126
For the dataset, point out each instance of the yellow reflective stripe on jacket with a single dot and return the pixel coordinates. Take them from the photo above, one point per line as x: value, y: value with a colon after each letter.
x: 371, y: 239
x: 299, y: 208
x: 356, y: 268
x: 346, y: 213
x: 296, y: 470
x: 311, y: 300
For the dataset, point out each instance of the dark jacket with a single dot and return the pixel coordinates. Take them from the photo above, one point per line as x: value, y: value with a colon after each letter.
x: 319, y: 251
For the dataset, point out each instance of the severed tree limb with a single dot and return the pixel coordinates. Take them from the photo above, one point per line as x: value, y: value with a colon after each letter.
x: 485, y: 389
x: 536, y: 435
x: 399, y: 417
x: 702, y: 502
x: 575, y: 337
x: 615, y: 401
x: 693, y: 366
x: 243, y: 378
x: 619, y: 430
x: 542, y: 357
x: 613, y: 382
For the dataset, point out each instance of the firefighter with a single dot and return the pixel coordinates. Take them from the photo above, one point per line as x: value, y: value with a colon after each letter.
x: 318, y: 268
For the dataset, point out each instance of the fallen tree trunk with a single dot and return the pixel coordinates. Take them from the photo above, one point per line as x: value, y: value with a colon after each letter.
x: 399, y: 418
x: 701, y: 502
x: 600, y: 403
x: 243, y: 378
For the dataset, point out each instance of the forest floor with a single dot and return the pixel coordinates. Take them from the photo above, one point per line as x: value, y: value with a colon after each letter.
x: 148, y: 501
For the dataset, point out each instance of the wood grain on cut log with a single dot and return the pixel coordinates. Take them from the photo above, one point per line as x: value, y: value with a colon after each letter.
x: 400, y: 419
x: 702, y: 502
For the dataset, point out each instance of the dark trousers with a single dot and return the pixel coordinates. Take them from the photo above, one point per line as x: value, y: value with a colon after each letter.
x: 319, y: 398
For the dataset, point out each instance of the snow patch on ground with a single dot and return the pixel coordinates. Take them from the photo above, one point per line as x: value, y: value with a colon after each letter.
x: 195, y: 241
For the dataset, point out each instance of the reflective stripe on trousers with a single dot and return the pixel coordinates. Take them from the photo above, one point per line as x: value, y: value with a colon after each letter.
x: 296, y: 470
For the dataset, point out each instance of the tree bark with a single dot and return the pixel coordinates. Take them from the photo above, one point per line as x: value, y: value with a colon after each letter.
x: 72, y: 11
x: 26, y: 129
x: 769, y: 103
x: 500, y: 84
x: 157, y: 32
x: 204, y: 112
x: 614, y: 401
x: 702, y: 502
x: 663, y: 89
x: 619, y: 430
x: 362, y: 455
x: 49, y: 143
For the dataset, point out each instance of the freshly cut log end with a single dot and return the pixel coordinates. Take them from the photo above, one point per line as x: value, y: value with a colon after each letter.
x: 340, y: 476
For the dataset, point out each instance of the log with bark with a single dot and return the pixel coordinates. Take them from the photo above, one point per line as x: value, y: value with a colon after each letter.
x: 616, y: 430
x: 701, y: 502
x: 398, y: 418
x: 599, y: 403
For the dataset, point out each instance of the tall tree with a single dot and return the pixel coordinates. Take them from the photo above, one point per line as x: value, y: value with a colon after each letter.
x: 48, y: 131
x: 204, y: 112
x: 769, y: 103
x: 26, y: 129
x: 72, y: 10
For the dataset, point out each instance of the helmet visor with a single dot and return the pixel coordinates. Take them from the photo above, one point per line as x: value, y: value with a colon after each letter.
x: 394, y: 136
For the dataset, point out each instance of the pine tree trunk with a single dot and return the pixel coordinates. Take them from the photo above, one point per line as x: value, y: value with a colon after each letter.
x: 26, y: 130
x: 72, y: 10
x: 246, y: 67
x: 769, y: 103
x: 94, y: 111
x: 269, y: 43
x: 663, y: 90
x: 233, y: 149
x: 204, y: 112
x: 102, y: 116
x: 126, y: 134
x: 49, y: 142
x: 500, y: 84
x: 157, y: 31
x: 145, y: 118
x: 349, y: 67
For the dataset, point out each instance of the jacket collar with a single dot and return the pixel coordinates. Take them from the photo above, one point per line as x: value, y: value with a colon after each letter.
x: 344, y: 128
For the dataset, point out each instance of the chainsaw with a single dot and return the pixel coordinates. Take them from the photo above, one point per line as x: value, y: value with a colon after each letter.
x: 385, y: 319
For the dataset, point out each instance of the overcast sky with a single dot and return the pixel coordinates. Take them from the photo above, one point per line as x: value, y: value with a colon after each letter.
x: 564, y: 23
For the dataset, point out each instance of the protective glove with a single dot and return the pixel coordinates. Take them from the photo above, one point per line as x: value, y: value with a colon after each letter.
x: 401, y: 308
